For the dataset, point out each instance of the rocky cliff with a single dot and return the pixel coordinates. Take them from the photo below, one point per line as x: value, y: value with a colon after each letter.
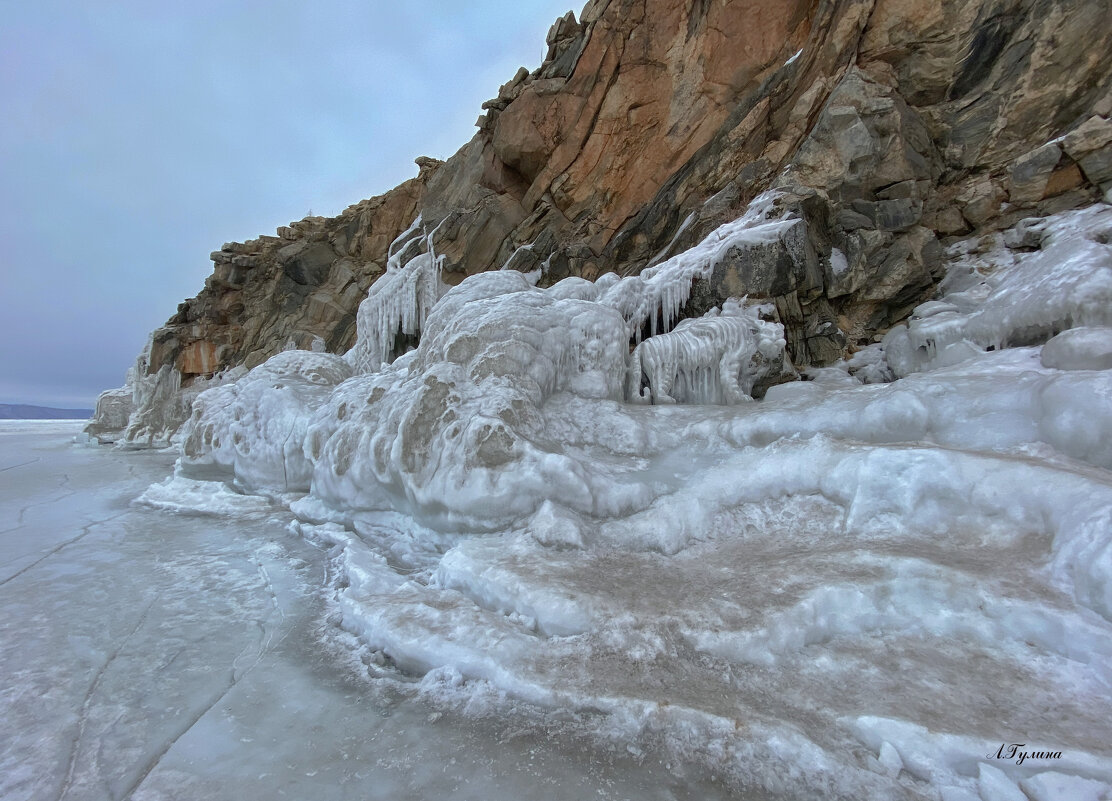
x: 890, y: 124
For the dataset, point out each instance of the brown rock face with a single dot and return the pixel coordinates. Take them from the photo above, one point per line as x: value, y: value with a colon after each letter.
x: 304, y: 283
x: 891, y: 123
x: 654, y: 82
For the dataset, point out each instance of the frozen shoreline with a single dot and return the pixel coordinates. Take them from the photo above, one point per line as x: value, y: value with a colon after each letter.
x: 149, y: 655
x: 861, y: 586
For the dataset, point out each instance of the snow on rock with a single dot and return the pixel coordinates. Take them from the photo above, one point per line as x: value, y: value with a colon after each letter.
x: 869, y: 365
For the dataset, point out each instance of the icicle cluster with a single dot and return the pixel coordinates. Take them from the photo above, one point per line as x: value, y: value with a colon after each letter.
x: 657, y: 295
x: 716, y: 359
x: 399, y: 301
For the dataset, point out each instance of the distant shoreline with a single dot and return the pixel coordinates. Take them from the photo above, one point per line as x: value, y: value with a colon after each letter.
x: 23, y: 411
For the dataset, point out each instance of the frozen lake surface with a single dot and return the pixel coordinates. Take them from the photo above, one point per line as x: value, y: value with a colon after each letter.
x: 148, y: 655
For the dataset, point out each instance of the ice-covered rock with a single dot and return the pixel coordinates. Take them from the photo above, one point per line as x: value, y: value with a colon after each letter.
x: 651, y: 301
x: 1084, y: 348
x: 149, y: 410
x: 1014, y: 299
x: 255, y: 428
x: 720, y: 358
x: 450, y: 431
x: 113, y: 409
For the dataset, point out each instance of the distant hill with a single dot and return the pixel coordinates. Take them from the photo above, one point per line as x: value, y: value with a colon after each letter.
x: 21, y: 411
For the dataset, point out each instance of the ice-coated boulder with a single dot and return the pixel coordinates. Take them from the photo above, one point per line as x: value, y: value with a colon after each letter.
x: 721, y: 358
x: 255, y: 427
x: 451, y: 428
x: 1088, y: 348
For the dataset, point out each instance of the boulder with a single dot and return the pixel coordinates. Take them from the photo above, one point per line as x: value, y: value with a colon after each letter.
x: 306, y: 262
x: 1031, y: 172
x: 1090, y: 145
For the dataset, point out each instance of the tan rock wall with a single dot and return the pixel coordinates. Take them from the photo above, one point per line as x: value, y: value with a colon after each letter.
x: 915, y: 116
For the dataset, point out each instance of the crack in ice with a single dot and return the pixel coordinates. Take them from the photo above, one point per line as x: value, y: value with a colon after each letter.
x: 85, y: 530
x: 83, y: 719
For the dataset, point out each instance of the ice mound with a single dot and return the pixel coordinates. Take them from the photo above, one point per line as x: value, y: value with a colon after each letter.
x: 1079, y: 349
x: 255, y: 428
x: 450, y: 431
x: 454, y: 433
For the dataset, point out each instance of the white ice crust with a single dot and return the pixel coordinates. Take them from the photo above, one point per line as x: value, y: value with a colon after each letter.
x: 856, y: 587
x: 999, y: 298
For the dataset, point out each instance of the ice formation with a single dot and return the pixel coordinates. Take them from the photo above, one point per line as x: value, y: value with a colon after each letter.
x: 998, y: 299
x: 716, y: 359
x: 255, y: 427
x: 149, y: 409
x: 656, y: 295
x: 1079, y: 349
x: 399, y: 301
x: 855, y: 587
x: 454, y: 431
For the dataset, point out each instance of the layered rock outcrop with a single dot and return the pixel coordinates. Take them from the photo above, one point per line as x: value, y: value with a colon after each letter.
x: 891, y: 125
x: 304, y: 283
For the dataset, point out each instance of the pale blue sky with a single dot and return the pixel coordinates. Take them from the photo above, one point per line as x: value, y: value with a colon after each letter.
x: 138, y: 136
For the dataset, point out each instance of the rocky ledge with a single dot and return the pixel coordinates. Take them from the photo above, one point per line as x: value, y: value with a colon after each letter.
x: 892, y: 126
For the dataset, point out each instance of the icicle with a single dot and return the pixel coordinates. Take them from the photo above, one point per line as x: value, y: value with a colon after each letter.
x: 400, y: 301
x: 713, y: 359
x: 393, y: 253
